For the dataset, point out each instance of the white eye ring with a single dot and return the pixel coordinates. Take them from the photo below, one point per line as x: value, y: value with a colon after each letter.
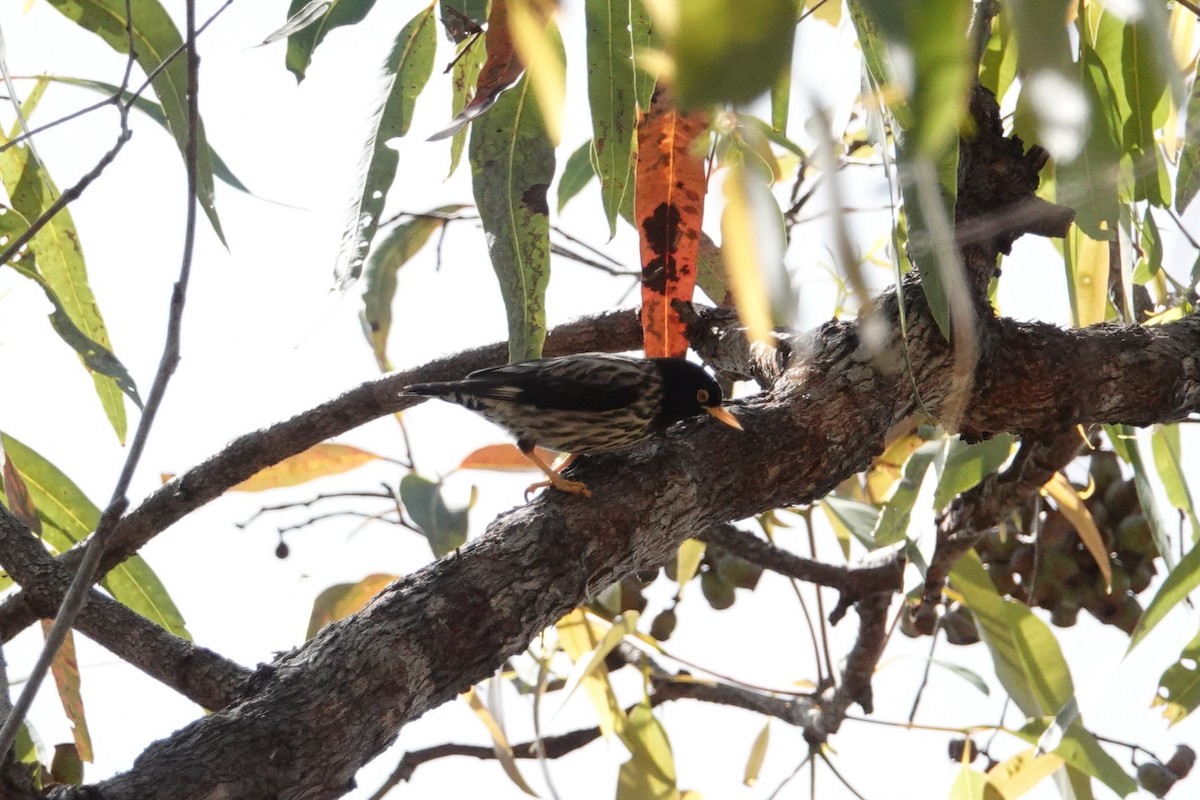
x: 702, y: 396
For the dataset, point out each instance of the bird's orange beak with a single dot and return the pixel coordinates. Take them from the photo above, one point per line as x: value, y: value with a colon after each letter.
x: 722, y: 413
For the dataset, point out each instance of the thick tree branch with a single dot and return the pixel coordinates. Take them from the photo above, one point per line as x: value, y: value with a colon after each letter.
x: 195, y: 672
x: 613, y: 331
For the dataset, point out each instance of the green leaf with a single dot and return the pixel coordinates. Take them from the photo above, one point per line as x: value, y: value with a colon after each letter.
x: 512, y: 165
x: 1080, y: 750
x: 713, y: 34
x: 1089, y: 183
x: 998, y: 68
x: 1180, y: 581
x: 576, y: 175
x: 444, y: 527
x: 1187, y: 180
x: 858, y: 518
x: 1179, y: 686
x: 401, y: 244
x: 897, y: 510
x: 405, y: 72
x: 930, y: 192
x: 59, y: 258
x: 964, y: 673
x: 1127, y: 443
x: 971, y: 784
x: 650, y: 770
x: 96, y: 357
x: 462, y: 81
x: 612, y: 97
x: 69, y: 517
x: 1168, y: 459
x: 155, y: 40
x: 1027, y: 658
x: 304, y: 40
x: 155, y: 112
x: 968, y: 464
x: 933, y: 32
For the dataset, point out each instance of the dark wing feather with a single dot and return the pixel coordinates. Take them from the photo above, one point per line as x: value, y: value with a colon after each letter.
x: 587, y: 382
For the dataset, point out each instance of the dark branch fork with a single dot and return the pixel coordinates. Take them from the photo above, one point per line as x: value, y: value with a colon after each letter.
x: 302, y: 726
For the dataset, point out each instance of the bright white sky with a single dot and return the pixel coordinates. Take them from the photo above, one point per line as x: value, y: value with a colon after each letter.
x: 264, y: 339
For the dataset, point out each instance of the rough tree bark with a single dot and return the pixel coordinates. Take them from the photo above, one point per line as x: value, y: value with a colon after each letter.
x: 302, y: 726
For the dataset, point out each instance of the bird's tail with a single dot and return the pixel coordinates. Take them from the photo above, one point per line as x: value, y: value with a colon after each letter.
x: 433, y: 389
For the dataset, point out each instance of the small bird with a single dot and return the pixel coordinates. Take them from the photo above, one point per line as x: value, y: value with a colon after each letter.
x: 585, y: 403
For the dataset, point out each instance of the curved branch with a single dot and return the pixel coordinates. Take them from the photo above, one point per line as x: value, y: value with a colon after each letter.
x: 246, y: 455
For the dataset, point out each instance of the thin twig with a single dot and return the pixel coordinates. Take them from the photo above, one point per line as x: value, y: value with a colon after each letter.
x: 80, y: 587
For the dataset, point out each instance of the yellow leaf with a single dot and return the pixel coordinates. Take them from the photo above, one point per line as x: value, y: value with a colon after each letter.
x: 889, y: 465
x: 315, y: 462
x: 1015, y: 776
x: 687, y: 560
x: 1071, y: 505
x: 758, y: 752
x: 343, y: 599
x: 578, y: 634
x: 1088, y: 265
x: 743, y: 257
x: 500, y: 745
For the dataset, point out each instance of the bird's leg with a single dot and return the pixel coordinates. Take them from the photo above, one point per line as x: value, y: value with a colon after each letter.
x: 554, y: 478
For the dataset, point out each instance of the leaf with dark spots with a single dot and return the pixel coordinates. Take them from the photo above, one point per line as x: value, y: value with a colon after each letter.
x: 669, y: 207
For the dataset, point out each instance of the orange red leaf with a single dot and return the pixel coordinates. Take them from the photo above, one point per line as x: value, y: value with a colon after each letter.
x: 503, y: 458
x: 668, y: 209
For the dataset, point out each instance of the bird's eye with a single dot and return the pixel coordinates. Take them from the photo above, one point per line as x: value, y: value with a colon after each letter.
x: 702, y: 396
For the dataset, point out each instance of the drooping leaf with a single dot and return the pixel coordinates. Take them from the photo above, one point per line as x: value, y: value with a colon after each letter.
x: 590, y: 663
x: 687, y: 561
x: 857, y: 519
x: 155, y: 40
x: 1015, y: 776
x: 1187, y: 181
x: 613, y: 101
x: 930, y: 192
x: 500, y: 745
x: 576, y: 175
x: 1179, y: 687
x: 1168, y: 460
x: 1071, y: 505
x: 512, y: 165
x: 1087, y: 262
x: 59, y: 257
x: 1032, y: 669
x: 308, y: 14
x: 312, y: 25
x: 405, y: 73
x: 998, y: 68
x: 155, y: 112
x: 971, y: 784
x: 1128, y: 443
x: 317, y: 461
x: 401, y: 244
x: 753, y: 241
x: 669, y: 207
x: 65, y: 669
x: 68, y: 517
x: 888, y: 466
x: 578, y: 634
x: 967, y: 675
x: 463, y: 18
x: 1025, y: 653
x: 1083, y: 756
x: 444, y: 527
x: 17, y: 499
x: 501, y: 69
x: 539, y: 48
x: 968, y: 464
x: 463, y: 76
x: 341, y: 600
x: 933, y: 34
x: 896, y: 512
x: 1183, y: 578
x: 503, y: 458
x: 95, y: 356
x: 758, y: 753
x: 650, y: 770
x: 713, y: 34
